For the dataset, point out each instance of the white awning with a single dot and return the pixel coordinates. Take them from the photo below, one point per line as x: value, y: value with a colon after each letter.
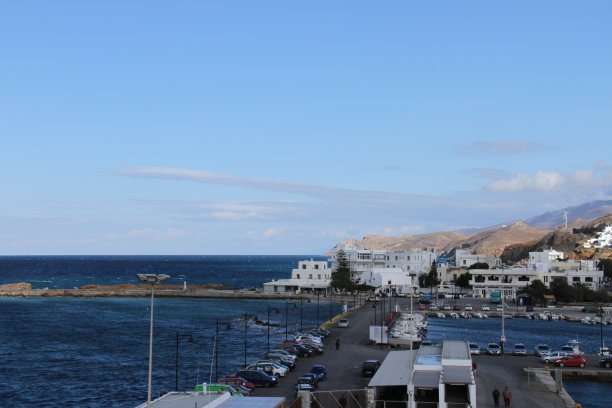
x: 426, y: 379
x: 456, y: 375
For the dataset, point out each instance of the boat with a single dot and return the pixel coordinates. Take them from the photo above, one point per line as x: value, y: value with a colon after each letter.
x: 572, y: 346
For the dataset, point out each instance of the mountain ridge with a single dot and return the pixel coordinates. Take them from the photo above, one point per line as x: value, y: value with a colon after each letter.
x: 508, y: 241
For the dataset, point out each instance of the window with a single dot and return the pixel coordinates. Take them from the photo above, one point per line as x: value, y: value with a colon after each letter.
x: 319, y: 276
x: 298, y: 276
x: 310, y: 276
x: 588, y: 279
x: 576, y: 279
x: 303, y: 266
x: 408, y: 257
x: 316, y: 266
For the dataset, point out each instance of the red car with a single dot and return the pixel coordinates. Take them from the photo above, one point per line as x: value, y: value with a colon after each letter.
x: 456, y: 307
x: 237, y: 381
x: 572, y: 360
x: 421, y: 307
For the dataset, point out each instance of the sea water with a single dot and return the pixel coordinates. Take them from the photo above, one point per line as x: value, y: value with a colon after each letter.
x: 77, y: 352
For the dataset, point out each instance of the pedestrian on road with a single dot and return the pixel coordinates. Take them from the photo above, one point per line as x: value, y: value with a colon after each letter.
x: 507, y: 397
x: 337, y: 344
x: 496, y: 394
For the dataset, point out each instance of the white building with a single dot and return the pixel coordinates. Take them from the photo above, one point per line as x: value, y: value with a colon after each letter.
x: 510, y: 280
x: 603, y: 240
x: 390, y: 280
x: 309, y: 277
x: 542, y: 260
x: 431, y: 377
x: 365, y: 260
x: 465, y: 258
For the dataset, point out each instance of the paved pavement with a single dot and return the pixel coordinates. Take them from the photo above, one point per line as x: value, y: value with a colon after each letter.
x: 344, y: 365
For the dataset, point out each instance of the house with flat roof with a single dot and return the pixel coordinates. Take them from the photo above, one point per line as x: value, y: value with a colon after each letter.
x: 431, y: 376
x: 212, y: 400
x: 309, y: 277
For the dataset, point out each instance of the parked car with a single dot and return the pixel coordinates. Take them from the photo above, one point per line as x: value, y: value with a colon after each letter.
x: 529, y: 308
x: 421, y: 307
x: 493, y: 349
x: 499, y: 308
x: 571, y: 360
x: 320, y: 371
x: 369, y: 368
x: 433, y: 307
x: 606, y: 361
x: 542, y: 349
x: 236, y: 381
x: 446, y: 307
x: 344, y: 322
x: 519, y: 350
x: 485, y: 308
x: 303, y: 385
x: 258, y: 378
x: 269, y: 368
x: 308, y: 379
x: 468, y: 307
x: 313, y: 378
x: 456, y: 307
x: 276, y: 364
x: 298, y: 351
x: 474, y: 348
x: 552, y: 356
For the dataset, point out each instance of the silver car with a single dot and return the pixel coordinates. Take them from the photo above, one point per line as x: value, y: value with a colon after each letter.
x: 552, y: 356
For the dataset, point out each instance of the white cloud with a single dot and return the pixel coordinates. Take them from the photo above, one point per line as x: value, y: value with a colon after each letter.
x: 541, y: 181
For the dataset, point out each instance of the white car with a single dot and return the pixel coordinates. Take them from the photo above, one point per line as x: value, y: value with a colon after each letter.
x: 485, y: 308
x: 499, y: 308
x: 542, y: 349
x: 552, y: 356
x: 493, y: 349
x: 474, y: 348
x: 468, y: 307
x: 344, y: 323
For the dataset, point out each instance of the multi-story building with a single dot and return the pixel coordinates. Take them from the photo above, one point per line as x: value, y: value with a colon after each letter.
x: 465, y: 258
x: 309, y: 277
x: 541, y: 260
x: 510, y: 280
x: 365, y: 260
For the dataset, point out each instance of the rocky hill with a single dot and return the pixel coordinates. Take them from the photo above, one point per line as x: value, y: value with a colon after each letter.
x: 511, y: 242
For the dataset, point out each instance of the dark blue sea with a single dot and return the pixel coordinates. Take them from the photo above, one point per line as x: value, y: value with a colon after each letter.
x: 74, y: 352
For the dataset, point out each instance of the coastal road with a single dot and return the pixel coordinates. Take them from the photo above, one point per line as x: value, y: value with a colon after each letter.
x: 344, y: 365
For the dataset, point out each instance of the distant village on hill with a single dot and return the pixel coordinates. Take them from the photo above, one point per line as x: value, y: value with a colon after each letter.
x: 570, y: 261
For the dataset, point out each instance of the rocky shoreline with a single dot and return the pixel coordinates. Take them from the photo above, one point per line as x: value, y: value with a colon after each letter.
x: 25, y: 290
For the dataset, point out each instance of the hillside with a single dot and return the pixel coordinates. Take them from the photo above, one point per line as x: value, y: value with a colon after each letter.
x: 514, y: 241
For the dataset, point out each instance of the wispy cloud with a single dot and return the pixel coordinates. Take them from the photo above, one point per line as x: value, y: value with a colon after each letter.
x: 545, y: 181
x: 501, y: 147
x: 541, y: 181
x: 325, y: 192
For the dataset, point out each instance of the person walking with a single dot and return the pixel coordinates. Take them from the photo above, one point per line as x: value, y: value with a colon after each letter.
x: 495, y: 395
x: 507, y: 395
x: 337, y: 344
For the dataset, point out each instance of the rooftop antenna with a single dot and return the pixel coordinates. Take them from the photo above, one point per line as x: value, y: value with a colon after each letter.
x: 565, y: 217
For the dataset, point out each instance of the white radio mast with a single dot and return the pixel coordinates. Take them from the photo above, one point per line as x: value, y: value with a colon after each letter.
x: 565, y: 216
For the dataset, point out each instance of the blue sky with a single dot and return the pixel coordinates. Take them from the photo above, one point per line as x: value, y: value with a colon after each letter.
x: 272, y: 127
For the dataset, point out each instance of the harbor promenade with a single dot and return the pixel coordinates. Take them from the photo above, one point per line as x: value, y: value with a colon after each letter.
x: 344, y: 368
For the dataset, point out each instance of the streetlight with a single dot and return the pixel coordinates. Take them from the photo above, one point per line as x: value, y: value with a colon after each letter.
x: 318, y: 320
x: 189, y: 340
x: 152, y: 279
x: 301, y: 314
x: 287, y: 318
x: 229, y: 326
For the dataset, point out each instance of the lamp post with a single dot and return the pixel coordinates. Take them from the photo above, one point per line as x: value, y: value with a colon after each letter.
x: 152, y: 279
x: 217, y: 350
x: 189, y: 340
x: 318, y: 320
x: 287, y: 319
x: 246, y: 318
x: 331, y: 301
x: 301, y: 313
